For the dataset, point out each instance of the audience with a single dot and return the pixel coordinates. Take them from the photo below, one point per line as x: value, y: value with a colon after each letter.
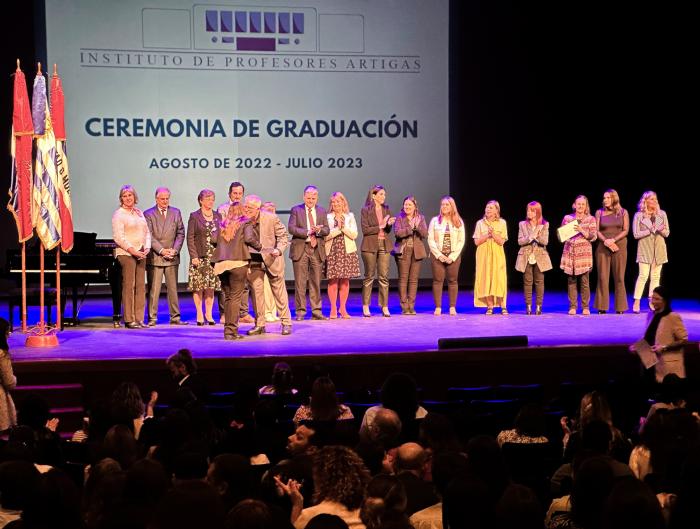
x: 252, y: 467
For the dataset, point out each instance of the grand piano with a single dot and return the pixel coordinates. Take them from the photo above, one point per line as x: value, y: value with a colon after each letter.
x: 90, y: 262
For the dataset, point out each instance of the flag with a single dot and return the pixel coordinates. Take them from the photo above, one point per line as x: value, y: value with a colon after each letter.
x: 46, y: 215
x: 63, y: 174
x: 20, y: 203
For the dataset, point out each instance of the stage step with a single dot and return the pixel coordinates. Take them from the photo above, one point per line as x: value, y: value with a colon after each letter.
x: 65, y: 403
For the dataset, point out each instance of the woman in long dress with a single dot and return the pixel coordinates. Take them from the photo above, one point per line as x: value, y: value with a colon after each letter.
x: 491, y: 283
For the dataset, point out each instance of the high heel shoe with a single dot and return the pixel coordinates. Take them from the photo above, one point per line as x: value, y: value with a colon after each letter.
x: 636, y: 306
x: 528, y: 309
x: 200, y: 323
x: 344, y: 314
x: 489, y: 311
x: 333, y: 315
x: 365, y: 311
x: 211, y: 322
x: 538, y: 310
x: 385, y: 312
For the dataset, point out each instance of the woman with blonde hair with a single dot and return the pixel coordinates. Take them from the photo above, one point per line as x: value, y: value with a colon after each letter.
x: 409, y: 250
x: 491, y: 283
x: 650, y: 228
x: 202, y: 236
x: 533, y: 260
x: 342, y: 262
x: 613, y: 224
x: 446, y: 238
x: 376, y: 220
x: 577, y: 256
x: 130, y: 233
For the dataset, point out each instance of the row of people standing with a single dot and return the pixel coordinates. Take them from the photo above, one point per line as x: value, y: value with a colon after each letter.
x: 326, y: 242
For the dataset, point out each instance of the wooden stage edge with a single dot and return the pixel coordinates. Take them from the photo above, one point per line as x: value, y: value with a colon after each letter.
x: 434, y: 370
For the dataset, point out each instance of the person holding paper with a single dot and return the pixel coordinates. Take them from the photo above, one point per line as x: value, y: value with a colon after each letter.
x: 491, y: 283
x: 577, y: 257
x: 376, y: 221
x: 613, y: 223
x: 533, y: 260
x: 666, y: 334
x: 650, y: 228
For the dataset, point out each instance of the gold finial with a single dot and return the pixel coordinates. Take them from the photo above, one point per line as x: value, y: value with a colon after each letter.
x: 38, y: 68
x: 18, y: 65
x: 55, y: 70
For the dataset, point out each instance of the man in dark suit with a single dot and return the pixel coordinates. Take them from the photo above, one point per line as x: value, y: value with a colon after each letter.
x: 167, y: 236
x: 267, y: 237
x: 308, y: 225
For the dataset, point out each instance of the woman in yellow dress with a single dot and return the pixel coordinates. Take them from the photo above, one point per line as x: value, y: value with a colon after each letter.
x: 490, y: 285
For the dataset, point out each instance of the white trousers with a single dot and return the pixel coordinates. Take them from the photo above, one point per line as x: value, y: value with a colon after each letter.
x: 645, y: 270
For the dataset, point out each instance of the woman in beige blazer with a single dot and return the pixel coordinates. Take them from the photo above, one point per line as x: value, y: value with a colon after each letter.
x: 533, y: 260
x: 666, y: 334
x: 342, y: 262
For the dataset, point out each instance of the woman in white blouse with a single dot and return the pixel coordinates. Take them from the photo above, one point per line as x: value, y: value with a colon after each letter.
x: 342, y: 262
x: 130, y: 232
x: 446, y: 236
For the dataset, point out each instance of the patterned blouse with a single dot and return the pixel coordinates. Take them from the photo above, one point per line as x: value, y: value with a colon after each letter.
x: 303, y: 413
x: 577, y: 257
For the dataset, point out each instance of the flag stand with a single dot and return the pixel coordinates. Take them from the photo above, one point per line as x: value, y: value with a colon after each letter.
x: 43, y: 335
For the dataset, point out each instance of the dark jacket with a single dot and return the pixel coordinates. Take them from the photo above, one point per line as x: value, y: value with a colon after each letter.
x: 233, y: 250
x: 370, y: 228
x: 404, y: 231
x: 197, y: 234
x: 297, y: 228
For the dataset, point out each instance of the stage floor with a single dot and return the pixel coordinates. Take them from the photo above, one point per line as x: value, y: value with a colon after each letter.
x: 96, y: 339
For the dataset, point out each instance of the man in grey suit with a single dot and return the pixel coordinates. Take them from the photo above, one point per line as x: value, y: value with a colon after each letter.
x: 267, y: 238
x: 167, y: 236
x: 308, y: 225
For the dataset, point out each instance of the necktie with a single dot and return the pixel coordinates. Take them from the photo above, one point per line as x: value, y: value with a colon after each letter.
x: 163, y: 212
x: 313, y: 240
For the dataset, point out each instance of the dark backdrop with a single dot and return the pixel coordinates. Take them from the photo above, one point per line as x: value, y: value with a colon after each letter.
x: 548, y: 100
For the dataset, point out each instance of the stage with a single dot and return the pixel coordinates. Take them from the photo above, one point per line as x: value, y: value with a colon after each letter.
x: 96, y: 339
x: 589, y: 351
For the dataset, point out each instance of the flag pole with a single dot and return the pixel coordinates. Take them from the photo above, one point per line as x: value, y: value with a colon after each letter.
x: 24, y: 287
x: 58, y: 260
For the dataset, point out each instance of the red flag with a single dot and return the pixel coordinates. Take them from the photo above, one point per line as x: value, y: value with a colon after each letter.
x: 66, y: 208
x: 21, y: 150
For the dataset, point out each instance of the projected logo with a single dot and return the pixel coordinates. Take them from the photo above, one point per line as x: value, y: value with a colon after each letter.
x: 256, y: 29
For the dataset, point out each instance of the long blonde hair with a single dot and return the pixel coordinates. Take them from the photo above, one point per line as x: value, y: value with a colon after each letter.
x: 454, y: 217
x: 642, y: 206
x: 338, y: 194
x: 233, y: 221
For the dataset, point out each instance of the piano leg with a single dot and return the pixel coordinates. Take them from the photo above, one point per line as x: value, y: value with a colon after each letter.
x: 115, y: 283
